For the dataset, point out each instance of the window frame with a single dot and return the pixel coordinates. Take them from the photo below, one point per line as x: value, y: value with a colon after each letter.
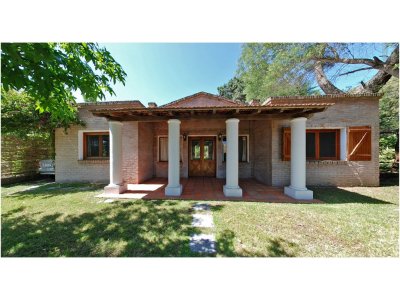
x: 181, y: 145
x: 317, y: 144
x: 94, y: 133
x: 248, y: 147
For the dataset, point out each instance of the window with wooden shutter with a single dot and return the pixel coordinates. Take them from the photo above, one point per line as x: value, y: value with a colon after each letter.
x: 321, y: 144
x: 286, y: 144
x: 359, y: 143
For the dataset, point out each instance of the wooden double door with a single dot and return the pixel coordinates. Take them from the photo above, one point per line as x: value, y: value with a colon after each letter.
x: 202, y: 156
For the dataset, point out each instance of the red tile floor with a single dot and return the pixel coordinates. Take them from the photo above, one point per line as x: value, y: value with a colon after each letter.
x: 205, y: 188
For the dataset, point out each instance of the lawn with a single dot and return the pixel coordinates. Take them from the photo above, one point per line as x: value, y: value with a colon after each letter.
x: 67, y: 220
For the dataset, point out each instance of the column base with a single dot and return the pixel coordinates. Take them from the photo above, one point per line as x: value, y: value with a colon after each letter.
x: 299, y: 194
x: 113, y: 189
x: 233, y: 191
x: 173, y: 190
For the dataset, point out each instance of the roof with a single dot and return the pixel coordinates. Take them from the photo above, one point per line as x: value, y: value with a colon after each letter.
x: 128, y: 103
x: 206, y: 105
x: 197, y: 100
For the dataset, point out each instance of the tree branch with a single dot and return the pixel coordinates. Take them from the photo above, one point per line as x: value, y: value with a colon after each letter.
x: 354, y: 71
x: 323, y: 81
x: 374, y: 84
x: 390, y: 66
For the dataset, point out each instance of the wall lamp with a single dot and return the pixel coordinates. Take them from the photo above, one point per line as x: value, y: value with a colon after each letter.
x: 184, y: 136
x: 220, y: 136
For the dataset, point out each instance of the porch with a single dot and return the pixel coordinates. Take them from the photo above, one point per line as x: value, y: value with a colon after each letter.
x: 207, y: 189
x: 214, y: 117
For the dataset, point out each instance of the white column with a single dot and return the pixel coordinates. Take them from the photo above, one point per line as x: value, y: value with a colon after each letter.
x: 116, y: 185
x: 231, y: 188
x: 297, y: 188
x: 174, y: 188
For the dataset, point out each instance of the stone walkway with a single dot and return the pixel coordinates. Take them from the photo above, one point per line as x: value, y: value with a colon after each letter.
x: 200, y: 242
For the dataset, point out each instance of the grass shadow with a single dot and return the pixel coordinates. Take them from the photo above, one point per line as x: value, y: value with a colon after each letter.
x: 134, y: 229
x: 335, y: 195
x: 277, y: 247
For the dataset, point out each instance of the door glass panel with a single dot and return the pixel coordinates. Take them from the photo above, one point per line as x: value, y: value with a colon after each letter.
x: 195, y: 153
x: 208, y: 150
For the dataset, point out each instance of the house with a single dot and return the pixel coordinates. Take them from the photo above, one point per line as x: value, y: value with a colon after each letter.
x: 290, y: 142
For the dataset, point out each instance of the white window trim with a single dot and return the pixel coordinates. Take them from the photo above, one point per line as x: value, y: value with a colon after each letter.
x: 248, y: 148
x: 80, y: 139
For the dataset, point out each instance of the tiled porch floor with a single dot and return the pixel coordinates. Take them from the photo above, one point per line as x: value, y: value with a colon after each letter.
x: 204, y: 188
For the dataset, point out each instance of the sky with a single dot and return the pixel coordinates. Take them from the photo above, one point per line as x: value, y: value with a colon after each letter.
x: 164, y: 72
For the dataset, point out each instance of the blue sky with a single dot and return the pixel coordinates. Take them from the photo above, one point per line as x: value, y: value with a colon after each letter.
x: 166, y: 72
x: 163, y: 72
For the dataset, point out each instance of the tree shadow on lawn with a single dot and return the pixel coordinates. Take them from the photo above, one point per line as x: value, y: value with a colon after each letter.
x: 138, y: 228
x: 277, y: 247
x: 335, y: 195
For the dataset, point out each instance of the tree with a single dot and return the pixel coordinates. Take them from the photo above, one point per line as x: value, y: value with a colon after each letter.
x: 389, y: 106
x: 49, y: 73
x: 283, y: 68
x: 20, y: 117
x: 234, y: 89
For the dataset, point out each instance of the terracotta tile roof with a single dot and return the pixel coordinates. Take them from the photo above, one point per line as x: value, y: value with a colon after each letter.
x: 190, y: 101
x: 109, y: 104
x: 328, y: 96
x: 297, y: 103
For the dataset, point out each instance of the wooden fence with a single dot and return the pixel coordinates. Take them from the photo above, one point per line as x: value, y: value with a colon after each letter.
x: 20, y: 156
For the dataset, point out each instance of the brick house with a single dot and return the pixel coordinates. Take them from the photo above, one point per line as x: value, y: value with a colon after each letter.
x: 329, y: 140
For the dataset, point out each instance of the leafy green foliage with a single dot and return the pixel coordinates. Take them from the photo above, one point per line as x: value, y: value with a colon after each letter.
x: 389, y: 106
x: 20, y: 116
x: 49, y: 73
x: 276, y: 69
x: 234, y: 89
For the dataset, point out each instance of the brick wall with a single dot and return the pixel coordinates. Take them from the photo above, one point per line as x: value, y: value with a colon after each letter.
x: 262, y: 151
x: 68, y: 166
x: 146, y: 157
x: 346, y: 112
x: 130, y: 138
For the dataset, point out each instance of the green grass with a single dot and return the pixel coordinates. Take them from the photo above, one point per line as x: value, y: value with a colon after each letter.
x: 66, y: 220
x: 357, y: 221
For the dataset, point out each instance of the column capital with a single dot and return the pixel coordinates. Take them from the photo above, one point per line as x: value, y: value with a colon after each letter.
x: 112, y: 122
x: 232, y: 120
x: 174, y: 121
x: 299, y: 119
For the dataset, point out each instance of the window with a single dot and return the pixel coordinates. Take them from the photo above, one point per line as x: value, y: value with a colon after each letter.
x: 321, y: 144
x: 96, y: 145
x: 243, y: 148
x: 163, y: 148
x: 163, y: 144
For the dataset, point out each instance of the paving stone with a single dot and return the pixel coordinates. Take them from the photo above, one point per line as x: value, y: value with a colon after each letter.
x: 203, y: 243
x: 201, y: 206
x: 202, y: 220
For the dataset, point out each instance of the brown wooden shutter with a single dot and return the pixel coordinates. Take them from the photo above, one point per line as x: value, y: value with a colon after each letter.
x: 359, y: 143
x: 286, y: 144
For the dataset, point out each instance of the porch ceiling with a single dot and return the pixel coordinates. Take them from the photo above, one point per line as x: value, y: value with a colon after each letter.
x: 271, y: 109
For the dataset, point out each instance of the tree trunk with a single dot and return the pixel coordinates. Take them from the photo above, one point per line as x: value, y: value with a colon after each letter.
x: 324, y: 83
